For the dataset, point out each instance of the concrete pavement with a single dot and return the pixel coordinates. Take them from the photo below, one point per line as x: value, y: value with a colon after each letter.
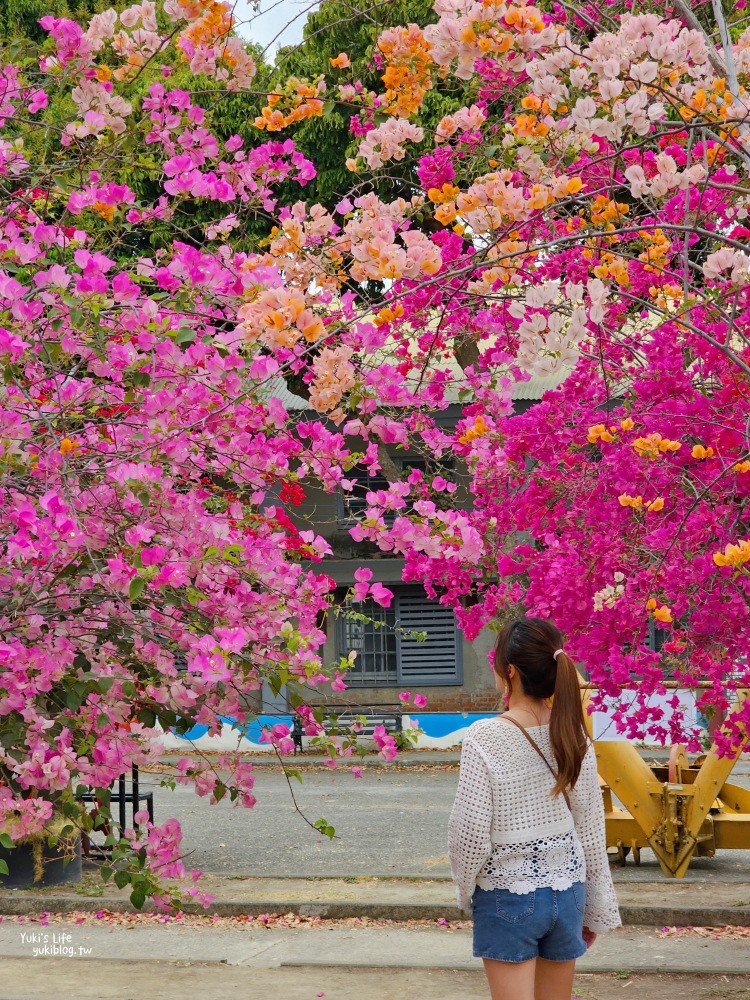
x: 332, y: 946
x: 390, y: 825
x: 62, y: 979
x: 59, y: 959
x: 405, y: 759
x: 391, y: 822
x: 388, y: 859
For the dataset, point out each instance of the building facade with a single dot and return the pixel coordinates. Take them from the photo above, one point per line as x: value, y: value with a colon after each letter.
x: 453, y: 673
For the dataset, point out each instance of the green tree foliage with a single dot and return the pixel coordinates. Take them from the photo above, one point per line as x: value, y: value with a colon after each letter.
x: 21, y: 17
x: 19, y: 24
x: 341, y: 26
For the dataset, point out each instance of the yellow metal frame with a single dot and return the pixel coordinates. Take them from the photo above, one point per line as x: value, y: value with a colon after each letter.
x: 679, y: 810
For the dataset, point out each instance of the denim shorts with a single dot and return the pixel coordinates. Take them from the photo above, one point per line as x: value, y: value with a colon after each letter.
x: 544, y: 923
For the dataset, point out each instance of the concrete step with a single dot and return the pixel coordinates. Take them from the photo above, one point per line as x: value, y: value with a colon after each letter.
x: 654, y: 904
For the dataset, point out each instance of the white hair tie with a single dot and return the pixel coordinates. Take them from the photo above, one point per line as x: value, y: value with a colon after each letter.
x: 557, y: 653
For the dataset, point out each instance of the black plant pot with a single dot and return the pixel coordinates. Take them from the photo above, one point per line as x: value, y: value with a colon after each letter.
x: 35, y: 864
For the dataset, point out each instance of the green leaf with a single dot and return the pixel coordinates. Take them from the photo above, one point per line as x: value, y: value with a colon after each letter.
x: 122, y: 879
x: 53, y: 351
x: 137, y: 586
x: 194, y: 595
x: 138, y: 898
x: 6, y: 842
x: 167, y: 718
x: 325, y: 828
x: 147, y: 717
x: 3, y: 867
x: 185, y: 335
x: 81, y: 662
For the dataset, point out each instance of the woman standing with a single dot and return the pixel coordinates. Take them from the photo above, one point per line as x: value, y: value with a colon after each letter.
x: 526, y: 836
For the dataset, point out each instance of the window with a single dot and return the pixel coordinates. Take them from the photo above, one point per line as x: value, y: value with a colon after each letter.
x: 352, y: 505
x: 374, y: 642
x: 386, y: 657
x: 656, y: 636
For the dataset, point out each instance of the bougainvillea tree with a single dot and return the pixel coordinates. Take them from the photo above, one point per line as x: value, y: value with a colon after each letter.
x: 581, y: 215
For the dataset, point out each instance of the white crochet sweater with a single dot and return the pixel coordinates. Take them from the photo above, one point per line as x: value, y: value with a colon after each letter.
x: 507, y: 831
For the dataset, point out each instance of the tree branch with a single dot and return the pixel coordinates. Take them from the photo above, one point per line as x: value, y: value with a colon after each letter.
x: 692, y: 22
x: 387, y: 466
x: 467, y: 353
x: 726, y: 44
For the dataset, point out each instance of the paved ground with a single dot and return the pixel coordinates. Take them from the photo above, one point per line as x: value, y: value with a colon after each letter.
x: 172, y: 962
x: 387, y: 823
x: 390, y: 822
x: 330, y: 945
x: 54, y: 979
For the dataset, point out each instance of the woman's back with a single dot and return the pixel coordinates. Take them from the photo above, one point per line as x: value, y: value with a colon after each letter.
x: 522, y: 781
x: 508, y: 831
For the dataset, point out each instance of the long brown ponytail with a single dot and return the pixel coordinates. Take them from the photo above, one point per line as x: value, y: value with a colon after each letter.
x: 530, y: 644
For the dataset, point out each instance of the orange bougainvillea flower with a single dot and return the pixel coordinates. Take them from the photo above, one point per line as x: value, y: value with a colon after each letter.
x: 599, y: 432
x: 67, y: 445
x: 733, y: 555
x: 654, y: 444
x: 528, y: 125
x: 341, y: 61
x: 407, y: 77
x: 663, y: 614
x: 107, y: 212
x: 627, y: 501
x: 389, y: 314
x: 300, y: 98
x: 479, y: 429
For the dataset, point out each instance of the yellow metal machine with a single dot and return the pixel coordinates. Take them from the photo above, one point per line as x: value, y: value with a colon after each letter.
x: 678, y: 809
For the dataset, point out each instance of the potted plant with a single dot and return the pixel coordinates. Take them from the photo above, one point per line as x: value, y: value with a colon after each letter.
x: 48, y: 857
